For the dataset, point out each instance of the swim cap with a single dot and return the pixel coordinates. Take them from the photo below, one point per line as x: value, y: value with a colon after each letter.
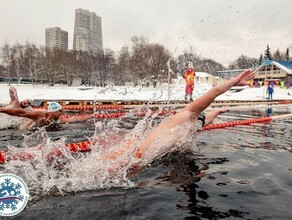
x: 54, y: 106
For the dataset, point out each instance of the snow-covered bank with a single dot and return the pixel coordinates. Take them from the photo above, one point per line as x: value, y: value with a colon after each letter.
x: 256, y: 94
x: 160, y: 93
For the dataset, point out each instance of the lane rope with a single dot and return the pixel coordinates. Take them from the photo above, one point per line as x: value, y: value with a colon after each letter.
x: 118, y: 106
x: 84, y: 146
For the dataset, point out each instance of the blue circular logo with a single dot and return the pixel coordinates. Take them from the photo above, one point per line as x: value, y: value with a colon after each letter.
x: 13, y: 194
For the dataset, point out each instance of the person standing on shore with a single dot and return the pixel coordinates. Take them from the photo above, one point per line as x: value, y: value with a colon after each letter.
x: 270, y: 91
x: 189, y: 77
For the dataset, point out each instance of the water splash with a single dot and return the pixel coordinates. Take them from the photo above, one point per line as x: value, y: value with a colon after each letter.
x: 50, y: 168
x: 8, y: 122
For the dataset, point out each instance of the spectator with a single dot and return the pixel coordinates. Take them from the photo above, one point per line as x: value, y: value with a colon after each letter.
x: 270, y: 91
x: 189, y: 76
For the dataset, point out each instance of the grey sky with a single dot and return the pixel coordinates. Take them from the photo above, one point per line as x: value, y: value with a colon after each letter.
x: 217, y: 29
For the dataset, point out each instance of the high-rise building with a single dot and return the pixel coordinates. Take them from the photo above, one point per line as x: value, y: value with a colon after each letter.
x: 56, y: 38
x: 87, y: 32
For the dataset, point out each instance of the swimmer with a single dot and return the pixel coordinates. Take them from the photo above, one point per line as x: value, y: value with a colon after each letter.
x: 159, y: 138
x: 164, y: 135
x: 14, y: 100
x: 13, y: 121
x: 191, y: 112
x: 42, y: 118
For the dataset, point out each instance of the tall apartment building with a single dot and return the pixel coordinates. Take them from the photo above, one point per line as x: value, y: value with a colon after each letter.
x: 87, y: 32
x: 56, y: 38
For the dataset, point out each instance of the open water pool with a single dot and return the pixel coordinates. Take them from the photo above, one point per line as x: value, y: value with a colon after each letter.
x: 241, y: 172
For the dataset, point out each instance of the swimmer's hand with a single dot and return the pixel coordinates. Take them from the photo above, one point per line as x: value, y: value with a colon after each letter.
x: 242, y: 78
x: 13, y: 93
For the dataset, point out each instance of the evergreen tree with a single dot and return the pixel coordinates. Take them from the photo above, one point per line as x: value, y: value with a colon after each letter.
x: 287, y: 55
x: 268, y: 53
x: 260, y: 59
x: 277, y: 55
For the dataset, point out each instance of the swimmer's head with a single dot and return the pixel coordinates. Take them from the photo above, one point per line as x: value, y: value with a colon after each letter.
x: 189, y: 70
x: 190, y: 65
x: 54, y: 106
x: 25, y: 103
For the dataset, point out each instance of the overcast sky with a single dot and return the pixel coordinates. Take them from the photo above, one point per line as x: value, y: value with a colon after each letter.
x: 217, y: 29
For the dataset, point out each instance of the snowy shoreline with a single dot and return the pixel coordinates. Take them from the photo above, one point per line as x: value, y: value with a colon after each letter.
x: 61, y: 92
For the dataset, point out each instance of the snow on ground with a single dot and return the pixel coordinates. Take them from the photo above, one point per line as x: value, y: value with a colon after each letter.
x: 256, y: 94
x: 160, y: 93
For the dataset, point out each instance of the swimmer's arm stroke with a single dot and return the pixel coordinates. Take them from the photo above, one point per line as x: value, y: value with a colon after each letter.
x: 23, y: 113
x: 201, y: 103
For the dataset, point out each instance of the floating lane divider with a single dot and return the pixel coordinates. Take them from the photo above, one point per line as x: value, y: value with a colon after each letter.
x: 234, y: 123
x: 142, y: 114
x: 178, y: 105
x: 92, y: 107
x: 246, y: 122
x: 118, y: 114
x: 82, y: 147
x: 100, y: 115
x: 85, y: 146
x: 86, y: 107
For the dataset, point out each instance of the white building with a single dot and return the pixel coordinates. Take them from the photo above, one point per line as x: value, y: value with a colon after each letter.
x: 272, y: 70
x: 87, y: 32
x: 56, y: 38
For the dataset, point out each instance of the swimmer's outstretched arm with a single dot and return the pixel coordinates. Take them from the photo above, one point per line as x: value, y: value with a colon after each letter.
x: 35, y: 115
x: 205, y: 100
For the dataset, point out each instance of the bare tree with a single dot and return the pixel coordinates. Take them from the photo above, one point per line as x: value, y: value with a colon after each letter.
x: 138, y: 63
x: 52, y: 64
x: 9, y: 55
x: 109, y: 65
x: 158, y: 60
x: 83, y: 65
x: 148, y: 60
x: 2, y: 70
x: 29, y: 61
x: 123, y: 67
x: 186, y: 57
x: 68, y: 67
x: 243, y: 62
x: 210, y: 66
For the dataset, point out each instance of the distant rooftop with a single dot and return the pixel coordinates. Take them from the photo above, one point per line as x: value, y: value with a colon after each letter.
x: 286, y: 64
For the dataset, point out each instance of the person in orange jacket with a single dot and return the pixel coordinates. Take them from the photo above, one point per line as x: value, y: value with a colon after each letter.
x: 189, y: 77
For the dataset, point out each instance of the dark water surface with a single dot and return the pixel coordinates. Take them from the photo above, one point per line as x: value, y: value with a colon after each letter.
x: 241, y: 172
